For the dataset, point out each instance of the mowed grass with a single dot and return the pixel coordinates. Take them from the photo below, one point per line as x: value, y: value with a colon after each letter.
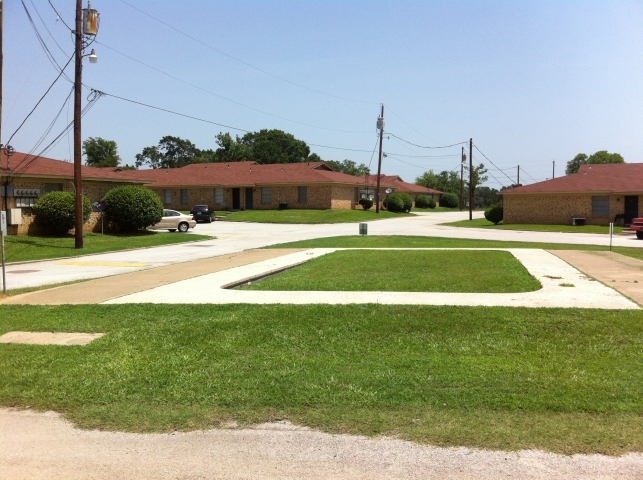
x: 563, y: 380
x: 406, y: 271
x: 407, y: 241
x: 20, y: 248
x: 484, y: 223
x: 311, y: 216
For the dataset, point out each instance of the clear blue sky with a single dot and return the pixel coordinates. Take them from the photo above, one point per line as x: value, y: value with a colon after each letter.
x: 530, y: 81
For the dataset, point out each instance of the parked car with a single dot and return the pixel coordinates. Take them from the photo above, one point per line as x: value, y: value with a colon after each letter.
x: 202, y: 213
x: 173, y: 221
x: 637, y: 226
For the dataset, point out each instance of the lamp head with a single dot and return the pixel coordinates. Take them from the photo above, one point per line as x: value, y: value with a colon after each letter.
x: 93, y: 58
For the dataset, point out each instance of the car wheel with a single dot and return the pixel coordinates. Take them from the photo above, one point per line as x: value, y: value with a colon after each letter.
x: 172, y: 230
x: 639, y: 234
x: 183, y: 227
x: 209, y: 220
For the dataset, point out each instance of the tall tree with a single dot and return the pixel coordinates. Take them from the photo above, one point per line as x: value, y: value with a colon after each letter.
x: 484, y: 197
x: 479, y: 176
x: 275, y: 146
x: 171, y: 152
x: 445, y: 181
x: 347, y: 166
x: 602, y: 156
x: 231, y: 149
x: 100, y: 152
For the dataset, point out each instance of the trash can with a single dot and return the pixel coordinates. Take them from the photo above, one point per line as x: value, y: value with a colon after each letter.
x: 363, y: 228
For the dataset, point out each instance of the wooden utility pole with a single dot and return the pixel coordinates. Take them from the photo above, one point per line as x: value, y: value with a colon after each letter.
x: 471, y: 179
x: 518, y: 177
x: 1, y: 62
x: 464, y: 159
x: 380, y: 124
x: 78, y: 180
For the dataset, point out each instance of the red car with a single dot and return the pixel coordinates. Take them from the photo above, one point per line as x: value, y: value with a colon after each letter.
x: 637, y: 226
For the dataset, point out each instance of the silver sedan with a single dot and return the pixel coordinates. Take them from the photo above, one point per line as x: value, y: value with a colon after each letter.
x: 173, y: 221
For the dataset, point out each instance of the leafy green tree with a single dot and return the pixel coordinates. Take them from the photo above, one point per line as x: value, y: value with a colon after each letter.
x: 347, y: 166
x: 600, y: 157
x: 171, y: 152
x: 477, y: 178
x: 575, y: 163
x: 275, y: 146
x: 231, y: 149
x: 132, y: 207
x: 445, y: 181
x: 484, y: 197
x: 101, y: 152
x: 55, y: 212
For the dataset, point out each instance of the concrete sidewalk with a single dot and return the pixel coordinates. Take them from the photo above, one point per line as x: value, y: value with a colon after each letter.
x: 107, y: 288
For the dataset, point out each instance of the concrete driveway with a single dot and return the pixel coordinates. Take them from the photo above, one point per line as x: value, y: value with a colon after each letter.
x: 233, y: 237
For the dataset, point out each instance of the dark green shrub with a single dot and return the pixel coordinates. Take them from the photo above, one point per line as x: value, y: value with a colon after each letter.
x: 422, y: 201
x: 494, y: 214
x: 399, y: 202
x: 366, y: 203
x: 449, y: 200
x: 55, y: 212
x: 133, y: 208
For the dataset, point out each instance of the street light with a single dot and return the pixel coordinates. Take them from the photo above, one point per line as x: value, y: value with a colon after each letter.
x: 93, y: 58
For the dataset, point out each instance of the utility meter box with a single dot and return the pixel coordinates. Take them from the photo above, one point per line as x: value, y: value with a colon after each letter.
x: 15, y: 216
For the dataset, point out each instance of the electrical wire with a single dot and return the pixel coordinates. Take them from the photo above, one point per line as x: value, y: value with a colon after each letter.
x: 60, y: 17
x: 422, y: 146
x: 53, y: 122
x: 222, y: 97
x: 243, y: 61
x: 510, y: 179
x: 40, y: 100
x: 407, y: 124
x: 46, y: 28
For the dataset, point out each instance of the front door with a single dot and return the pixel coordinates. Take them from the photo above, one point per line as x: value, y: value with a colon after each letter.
x: 236, y: 198
x: 249, y: 205
x: 631, y: 208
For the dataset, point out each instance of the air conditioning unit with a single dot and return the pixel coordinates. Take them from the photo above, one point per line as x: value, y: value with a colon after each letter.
x: 15, y: 216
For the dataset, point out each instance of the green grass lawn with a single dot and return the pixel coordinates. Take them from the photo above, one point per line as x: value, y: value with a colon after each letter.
x: 20, y: 248
x: 563, y: 380
x: 407, y: 271
x: 311, y: 216
x: 484, y: 223
x: 406, y: 241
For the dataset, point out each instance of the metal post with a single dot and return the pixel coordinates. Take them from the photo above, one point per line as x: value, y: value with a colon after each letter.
x: 471, y: 179
x: 462, y: 179
x: 78, y: 181
x: 611, y: 233
x: 553, y: 169
x: 518, y: 178
x: 379, y: 163
x: 3, y: 226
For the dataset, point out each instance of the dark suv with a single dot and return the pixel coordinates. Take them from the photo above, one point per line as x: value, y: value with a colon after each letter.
x: 202, y: 213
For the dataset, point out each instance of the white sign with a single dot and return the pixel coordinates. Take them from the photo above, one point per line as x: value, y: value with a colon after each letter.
x: 3, y: 222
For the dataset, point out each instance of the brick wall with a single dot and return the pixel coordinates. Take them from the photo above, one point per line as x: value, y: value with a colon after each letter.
x: 559, y: 209
x: 28, y: 227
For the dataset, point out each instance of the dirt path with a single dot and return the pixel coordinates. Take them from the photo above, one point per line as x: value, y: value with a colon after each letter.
x: 108, y: 288
x: 624, y: 274
x: 43, y: 446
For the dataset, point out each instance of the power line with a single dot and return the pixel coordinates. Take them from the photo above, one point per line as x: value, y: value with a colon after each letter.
x: 243, y: 61
x: 46, y: 28
x: 40, y: 100
x: 407, y: 124
x: 60, y: 16
x: 476, y: 147
x: 422, y: 146
x: 222, y: 97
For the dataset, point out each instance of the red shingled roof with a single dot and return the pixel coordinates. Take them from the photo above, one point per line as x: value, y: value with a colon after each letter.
x: 248, y: 174
x: 616, y: 178
x: 400, y: 185
x: 22, y: 164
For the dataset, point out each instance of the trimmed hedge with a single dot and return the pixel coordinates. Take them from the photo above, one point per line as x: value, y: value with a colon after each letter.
x: 449, y: 200
x: 55, y: 212
x: 133, y: 208
x: 422, y: 201
x: 366, y: 203
x: 494, y: 214
x: 399, y: 202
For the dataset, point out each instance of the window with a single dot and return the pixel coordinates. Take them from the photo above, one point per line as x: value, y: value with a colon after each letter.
x: 24, y: 202
x: 184, y: 196
x: 600, y: 206
x: 356, y: 195
x: 53, y: 187
x: 218, y: 196
x: 266, y: 194
x: 168, y: 196
x: 302, y: 196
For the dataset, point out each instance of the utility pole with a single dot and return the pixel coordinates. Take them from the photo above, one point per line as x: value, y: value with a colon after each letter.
x: 380, y: 126
x: 1, y: 62
x: 518, y: 178
x: 464, y: 159
x: 78, y: 180
x: 471, y: 179
x: 553, y: 165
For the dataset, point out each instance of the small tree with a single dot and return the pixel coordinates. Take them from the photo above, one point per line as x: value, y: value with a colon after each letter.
x: 494, y: 214
x: 449, y: 200
x: 366, y: 203
x: 55, y: 212
x: 133, y: 208
x: 101, y: 152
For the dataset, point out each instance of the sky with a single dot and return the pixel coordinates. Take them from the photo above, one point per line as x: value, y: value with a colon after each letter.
x: 531, y: 82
